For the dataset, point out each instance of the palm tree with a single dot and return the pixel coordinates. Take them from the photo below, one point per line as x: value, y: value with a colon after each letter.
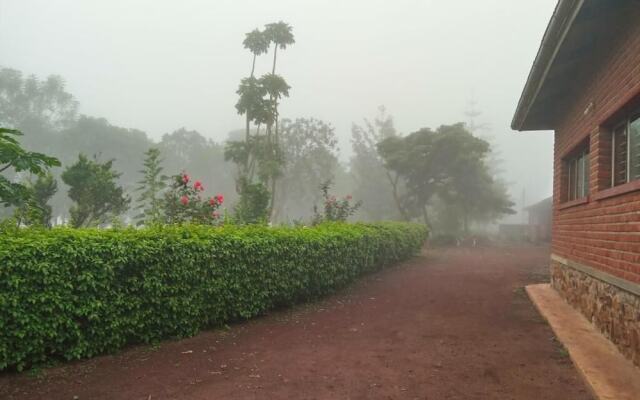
x: 258, y: 43
x: 249, y: 91
x: 281, y: 35
x: 278, y: 33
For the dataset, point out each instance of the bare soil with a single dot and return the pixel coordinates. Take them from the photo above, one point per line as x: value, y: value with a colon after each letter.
x: 450, y: 324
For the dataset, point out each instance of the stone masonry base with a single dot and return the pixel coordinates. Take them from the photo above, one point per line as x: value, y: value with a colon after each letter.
x: 613, y: 310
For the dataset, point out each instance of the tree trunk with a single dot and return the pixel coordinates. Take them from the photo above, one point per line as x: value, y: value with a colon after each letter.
x: 424, y: 215
x: 396, y: 196
x: 273, y: 199
x: 247, y: 137
x: 272, y: 152
x: 276, y: 135
x: 465, y: 220
x: 253, y: 65
x: 275, y: 54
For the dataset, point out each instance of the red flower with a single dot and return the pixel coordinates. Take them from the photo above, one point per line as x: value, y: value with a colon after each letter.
x: 185, y: 178
x: 184, y: 200
x: 198, y: 186
x: 212, y: 201
x: 219, y: 199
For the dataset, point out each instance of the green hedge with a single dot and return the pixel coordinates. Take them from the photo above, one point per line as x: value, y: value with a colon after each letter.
x: 68, y: 293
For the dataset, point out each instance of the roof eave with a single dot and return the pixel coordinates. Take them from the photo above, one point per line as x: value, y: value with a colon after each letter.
x: 561, y: 21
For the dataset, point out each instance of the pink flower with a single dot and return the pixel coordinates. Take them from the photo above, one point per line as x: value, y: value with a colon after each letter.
x: 198, y: 186
x: 215, y: 214
x: 349, y: 197
x: 212, y: 201
x: 220, y: 199
x: 185, y: 178
x: 184, y: 200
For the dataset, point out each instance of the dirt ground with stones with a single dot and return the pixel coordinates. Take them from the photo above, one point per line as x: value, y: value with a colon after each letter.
x: 449, y: 324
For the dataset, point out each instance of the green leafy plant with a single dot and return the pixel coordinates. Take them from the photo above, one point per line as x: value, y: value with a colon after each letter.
x: 36, y: 210
x: 74, y: 293
x: 13, y: 156
x: 253, y: 205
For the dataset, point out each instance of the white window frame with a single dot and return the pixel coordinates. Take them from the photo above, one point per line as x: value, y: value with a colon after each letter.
x: 578, y: 165
x: 627, y: 129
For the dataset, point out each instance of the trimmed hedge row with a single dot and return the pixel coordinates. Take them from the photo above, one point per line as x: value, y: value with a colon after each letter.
x: 69, y: 293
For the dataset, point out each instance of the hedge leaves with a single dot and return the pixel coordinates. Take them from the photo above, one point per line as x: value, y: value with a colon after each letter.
x: 74, y: 293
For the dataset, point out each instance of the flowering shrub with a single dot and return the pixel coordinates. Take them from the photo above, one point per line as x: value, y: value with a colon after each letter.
x: 334, y: 209
x: 184, y: 202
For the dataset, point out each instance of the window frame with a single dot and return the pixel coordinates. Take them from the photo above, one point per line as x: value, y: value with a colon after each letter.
x: 626, y: 123
x: 577, y: 166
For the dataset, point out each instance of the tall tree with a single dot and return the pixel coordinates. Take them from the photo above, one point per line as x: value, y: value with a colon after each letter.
x: 94, y: 190
x: 373, y: 181
x: 150, y: 188
x: 257, y: 43
x: 258, y: 101
x: 281, y: 35
x: 310, y: 152
x: 450, y: 163
x: 33, y: 105
x: 483, y: 131
x: 471, y: 188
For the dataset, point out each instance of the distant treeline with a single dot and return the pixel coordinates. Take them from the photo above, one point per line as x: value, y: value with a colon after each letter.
x: 388, y: 189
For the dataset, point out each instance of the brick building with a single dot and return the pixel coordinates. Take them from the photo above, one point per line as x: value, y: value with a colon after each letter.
x: 585, y: 85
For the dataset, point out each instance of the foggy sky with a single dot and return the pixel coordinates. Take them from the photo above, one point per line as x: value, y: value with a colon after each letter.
x: 161, y: 65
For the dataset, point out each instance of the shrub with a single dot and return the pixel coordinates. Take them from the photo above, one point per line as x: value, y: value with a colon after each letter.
x: 336, y: 210
x: 183, y: 202
x: 68, y: 294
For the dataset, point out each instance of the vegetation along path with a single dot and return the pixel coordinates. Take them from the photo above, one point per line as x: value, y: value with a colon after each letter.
x: 450, y: 324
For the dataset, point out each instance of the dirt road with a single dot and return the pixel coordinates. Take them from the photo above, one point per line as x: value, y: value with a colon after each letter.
x: 451, y: 324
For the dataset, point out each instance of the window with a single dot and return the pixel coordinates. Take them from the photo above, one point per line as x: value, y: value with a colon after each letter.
x: 625, y: 151
x: 577, y: 167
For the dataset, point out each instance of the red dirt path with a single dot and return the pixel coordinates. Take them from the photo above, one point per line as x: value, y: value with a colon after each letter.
x: 452, y: 324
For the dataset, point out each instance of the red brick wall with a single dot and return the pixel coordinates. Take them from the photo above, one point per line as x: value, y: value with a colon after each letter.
x: 603, y: 233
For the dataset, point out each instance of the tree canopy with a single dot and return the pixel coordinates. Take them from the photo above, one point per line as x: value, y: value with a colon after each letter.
x: 93, y: 188
x: 450, y: 163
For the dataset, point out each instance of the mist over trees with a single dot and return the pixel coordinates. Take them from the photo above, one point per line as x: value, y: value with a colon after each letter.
x: 274, y: 170
x: 450, y: 164
x: 372, y: 180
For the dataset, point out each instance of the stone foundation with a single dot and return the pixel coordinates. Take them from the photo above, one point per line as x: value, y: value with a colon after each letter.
x: 614, y: 310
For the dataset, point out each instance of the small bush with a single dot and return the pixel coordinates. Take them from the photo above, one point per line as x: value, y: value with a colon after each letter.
x: 69, y: 294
